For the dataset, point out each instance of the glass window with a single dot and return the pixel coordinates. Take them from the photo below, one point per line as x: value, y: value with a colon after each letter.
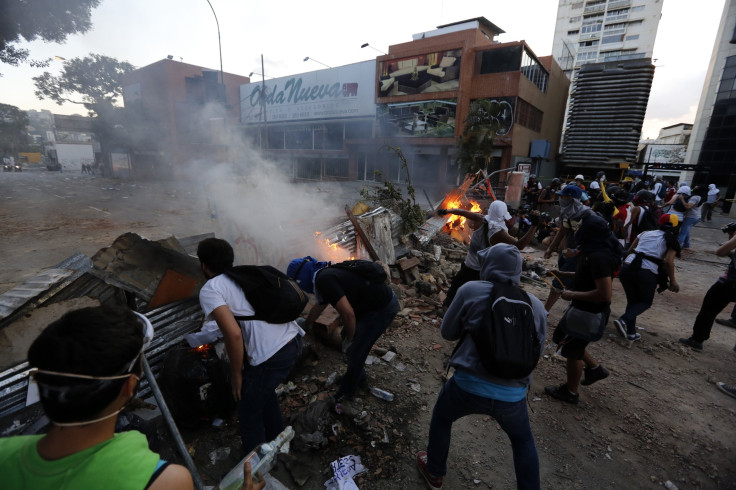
x: 613, y: 39
x: 632, y: 38
x: 298, y: 138
x: 573, y: 33
x: 357, y: 130
x: 336, y: 167
x: 309, y: 168
x: 500, y: 60
x: 534, y: 71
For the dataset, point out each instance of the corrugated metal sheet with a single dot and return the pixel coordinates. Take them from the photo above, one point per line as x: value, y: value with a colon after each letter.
x: 36, y: 291
x: 170, y: 323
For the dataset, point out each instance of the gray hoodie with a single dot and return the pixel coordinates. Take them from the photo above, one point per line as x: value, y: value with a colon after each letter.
x: 499, y: 263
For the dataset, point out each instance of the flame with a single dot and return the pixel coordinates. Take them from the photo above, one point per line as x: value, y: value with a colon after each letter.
x: 331, y: 251
x: 455, y: 222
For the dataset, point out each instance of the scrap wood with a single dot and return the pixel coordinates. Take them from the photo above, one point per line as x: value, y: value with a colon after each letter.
x: 361, y: 234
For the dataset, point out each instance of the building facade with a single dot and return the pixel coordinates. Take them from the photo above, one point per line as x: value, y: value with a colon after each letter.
x: 712, y: 146
x: 177, y: 112
x: 612, y: 34
x: 345, y: 122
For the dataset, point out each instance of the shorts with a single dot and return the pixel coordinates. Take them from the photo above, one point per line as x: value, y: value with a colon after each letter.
x: 569, y: 347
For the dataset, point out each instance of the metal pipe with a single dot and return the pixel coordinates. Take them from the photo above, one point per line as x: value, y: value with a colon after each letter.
x: 172, y: 425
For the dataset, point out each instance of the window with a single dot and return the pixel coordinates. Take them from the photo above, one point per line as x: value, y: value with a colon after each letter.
x: 309, y: 168
x: 336, y: 167
x: 573, y: 33
x: 576, y: 6
x: 589, y: 29
x: 328, y: 136
x: 638, y: 8
x: 613, y: 39
x: 586, y: 44
x: 620, y: 14
x: 528, y: 116
x: 298, y: 138
x: 633, y: 37
x: 500, y: 60
x: 575, y: 19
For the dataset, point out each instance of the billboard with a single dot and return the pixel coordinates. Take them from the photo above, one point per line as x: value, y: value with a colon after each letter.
x: 437, y: 71
x: 345, y: 91
x: 665, y: 153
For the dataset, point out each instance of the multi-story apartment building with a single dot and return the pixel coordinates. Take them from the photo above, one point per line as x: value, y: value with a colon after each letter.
x: 616, y: 38
x: 598, y: 31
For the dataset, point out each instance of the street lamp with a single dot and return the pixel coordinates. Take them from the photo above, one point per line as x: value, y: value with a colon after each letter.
x: 308, y: 58
x: 256, y: 73
x: 366, y: 45
x: 219, y: 42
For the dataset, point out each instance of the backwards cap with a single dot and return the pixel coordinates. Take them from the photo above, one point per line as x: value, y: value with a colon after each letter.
x: 302, y: 271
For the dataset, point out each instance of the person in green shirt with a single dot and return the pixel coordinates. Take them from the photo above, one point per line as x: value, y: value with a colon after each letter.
x: 87, y: 366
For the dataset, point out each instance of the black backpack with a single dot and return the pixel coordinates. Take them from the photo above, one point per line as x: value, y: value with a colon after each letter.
x: 371, y: 271
x: 275, y: 297
x: 679, y: 205
x: 662, y: 192
x: 648, y: 221
x: 508, y: 344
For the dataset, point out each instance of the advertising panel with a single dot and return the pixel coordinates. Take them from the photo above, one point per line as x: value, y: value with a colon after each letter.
x: 437, y: 71
x: 665, y: 154
x: 345, y: 91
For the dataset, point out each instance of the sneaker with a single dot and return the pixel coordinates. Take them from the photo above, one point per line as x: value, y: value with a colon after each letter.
x: 562, y: 393
x: 633, y: 337
x: 694, y: 344
x: 728, y: 323
x: 730, y: 390
x: 592, y: 375
x: 433, y: 482
x: 621, y: 327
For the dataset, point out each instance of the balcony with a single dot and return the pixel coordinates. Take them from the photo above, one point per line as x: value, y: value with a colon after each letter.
x: 617, y: 4
x: 589, y: 35
x: 594, y: 8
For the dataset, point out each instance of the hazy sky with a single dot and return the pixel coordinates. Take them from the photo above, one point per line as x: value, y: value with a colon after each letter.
x: 284, y: 32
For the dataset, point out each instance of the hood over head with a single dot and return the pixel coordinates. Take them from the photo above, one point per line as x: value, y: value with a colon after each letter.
x: 500, y: 263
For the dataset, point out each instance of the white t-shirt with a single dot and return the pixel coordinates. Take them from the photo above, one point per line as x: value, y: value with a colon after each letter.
x: 694, y: 212
x: 594, y: 185
x: 262, y: 340
x: 652, y: 243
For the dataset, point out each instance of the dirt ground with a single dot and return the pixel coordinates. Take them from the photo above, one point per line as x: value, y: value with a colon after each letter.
x: 659, y: 417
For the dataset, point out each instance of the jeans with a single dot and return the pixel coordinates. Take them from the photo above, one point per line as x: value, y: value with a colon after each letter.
x: 716, y: 299
x: 639, y: 286
x: 684, y: 237
x: 454, y: 403
x: 368, y: 327
x: 259, y: 414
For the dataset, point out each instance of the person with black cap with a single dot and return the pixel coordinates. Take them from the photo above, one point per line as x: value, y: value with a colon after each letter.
x: 548, y: 198
x: 584, y: 321
x: 594, y: 189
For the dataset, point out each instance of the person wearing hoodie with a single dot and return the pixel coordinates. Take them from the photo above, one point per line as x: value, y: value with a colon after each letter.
x: 472, y: 390
x: 710, y: 202
x: 490, y: 229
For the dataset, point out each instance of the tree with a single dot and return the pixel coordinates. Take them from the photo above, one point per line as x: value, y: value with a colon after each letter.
x: 486, y: 120
x: 50, y: 20
x: 13, y: 135
x: 96, y: 83
x: 93, y: 81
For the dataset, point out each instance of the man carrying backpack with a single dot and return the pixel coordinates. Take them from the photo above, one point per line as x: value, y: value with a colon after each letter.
x: 261, y: 354
x: 366, y: 305
x: 490, y: 379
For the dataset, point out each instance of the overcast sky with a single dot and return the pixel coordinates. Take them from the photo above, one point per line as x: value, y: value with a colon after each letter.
x: 145, y: 31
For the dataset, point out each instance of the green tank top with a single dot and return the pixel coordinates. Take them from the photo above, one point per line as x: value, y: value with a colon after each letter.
x: 123, y: 462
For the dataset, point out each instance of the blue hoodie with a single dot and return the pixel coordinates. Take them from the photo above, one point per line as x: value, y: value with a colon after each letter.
x: 500, y: 263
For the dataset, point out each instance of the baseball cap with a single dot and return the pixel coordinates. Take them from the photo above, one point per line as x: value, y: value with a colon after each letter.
x: 668, y: 219
x: 572, y: 191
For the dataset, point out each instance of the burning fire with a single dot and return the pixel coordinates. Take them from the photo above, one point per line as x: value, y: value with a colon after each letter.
x: 331, y: 251
x: 455, y: 222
